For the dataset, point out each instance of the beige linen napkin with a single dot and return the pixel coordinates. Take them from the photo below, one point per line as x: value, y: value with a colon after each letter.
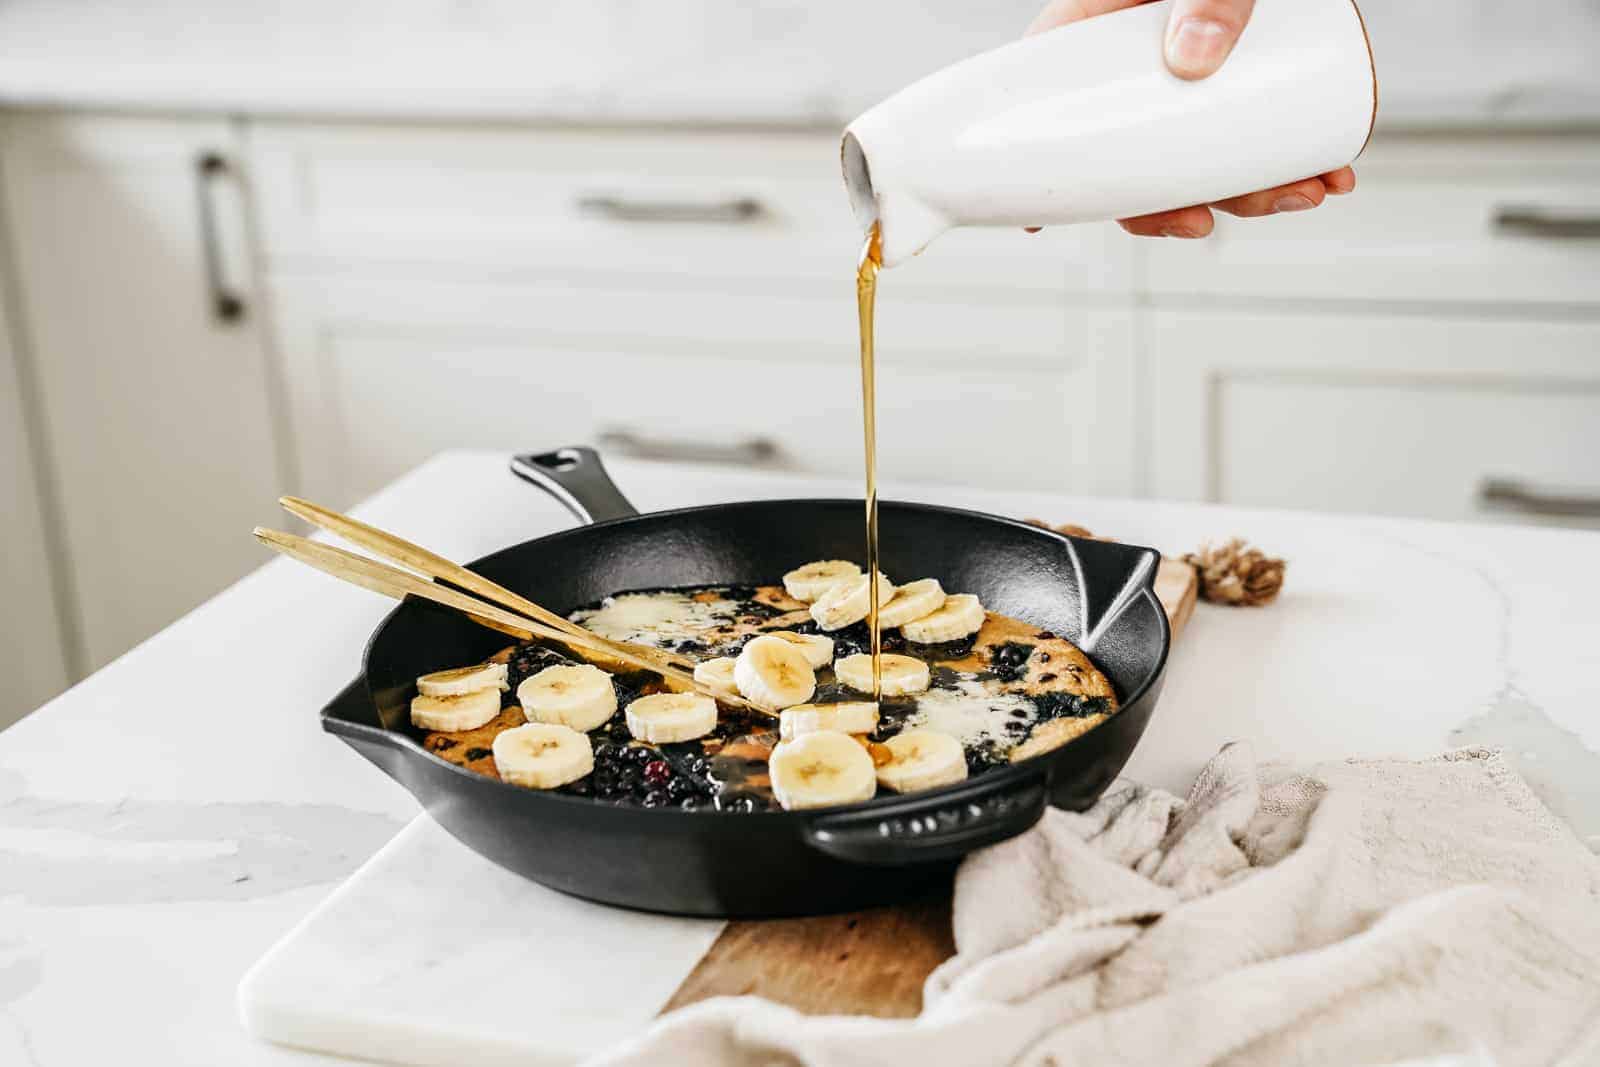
x: 1351, y: 913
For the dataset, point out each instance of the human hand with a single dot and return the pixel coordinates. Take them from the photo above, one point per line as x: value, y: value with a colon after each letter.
x: 1200, y: 34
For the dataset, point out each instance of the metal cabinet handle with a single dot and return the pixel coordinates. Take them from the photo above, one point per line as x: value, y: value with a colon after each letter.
x: 1559, y: 223
x: 755, y: 452
x: 739, y: 209
x: 227, y: 305
x: 1513, y: 495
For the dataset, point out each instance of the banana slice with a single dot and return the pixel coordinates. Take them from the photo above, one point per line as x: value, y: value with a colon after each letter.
x: 465, y: 712
x: 664, y: 717
x: 811, y: 581
x: 922, y: 759
x: 961, y: 614
x: 850, y: 717
x: 464, y: 680
x: 847, y: 603
x: 902, y: 675
x: 821, y: 769
x: 911, y: 601
x: 716, y: 674
x: 579, y: 696
x: 542, y: 755
x: 771, y: 674
x: 818, y: 650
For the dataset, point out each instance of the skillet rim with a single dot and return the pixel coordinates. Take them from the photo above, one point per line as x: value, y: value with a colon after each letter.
x: 993, y: 781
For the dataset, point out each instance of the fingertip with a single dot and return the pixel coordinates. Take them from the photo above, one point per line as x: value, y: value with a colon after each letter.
x: 1311, y: 189
x: 1201, y: 35
x: 1185, y: 223
x: 1283, y: 199
x: 1197, y: 47
x: 1341, y: 181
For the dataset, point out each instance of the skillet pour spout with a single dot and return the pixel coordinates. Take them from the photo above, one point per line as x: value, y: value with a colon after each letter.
x: 1098, y: 594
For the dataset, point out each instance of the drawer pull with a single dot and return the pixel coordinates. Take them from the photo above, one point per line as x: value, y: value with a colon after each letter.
x: 739, y: 209
x: 227, y: 304
x: 754, y: 452
x: 1528, y: 220
x: 1513, y: 495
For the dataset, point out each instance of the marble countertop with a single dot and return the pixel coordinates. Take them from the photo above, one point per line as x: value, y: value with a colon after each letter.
x: 811, y: 63
x: 167, y: 820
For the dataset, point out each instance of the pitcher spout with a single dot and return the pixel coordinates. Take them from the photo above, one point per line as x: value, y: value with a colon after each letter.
x: 906, y: 224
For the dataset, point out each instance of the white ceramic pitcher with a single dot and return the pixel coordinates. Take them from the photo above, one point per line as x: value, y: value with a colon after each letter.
x: 1085, y: 123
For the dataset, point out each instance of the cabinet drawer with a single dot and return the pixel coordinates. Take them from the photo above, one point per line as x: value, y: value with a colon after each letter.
x: 1450, y: 418
x: 400, y: 401
x: 1512, y: 453
x: 600, y: 311
x: 1510, y: 220
x: 736, y: 206
x: 381, y: 376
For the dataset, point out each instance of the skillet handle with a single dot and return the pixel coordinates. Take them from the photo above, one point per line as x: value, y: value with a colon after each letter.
x: 916, y: 832
x: 576, y: 477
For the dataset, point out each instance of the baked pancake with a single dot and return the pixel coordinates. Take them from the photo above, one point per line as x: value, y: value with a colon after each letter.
x: 1007, y: 692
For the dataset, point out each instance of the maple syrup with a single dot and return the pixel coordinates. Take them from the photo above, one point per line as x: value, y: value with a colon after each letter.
x: 866, y: 299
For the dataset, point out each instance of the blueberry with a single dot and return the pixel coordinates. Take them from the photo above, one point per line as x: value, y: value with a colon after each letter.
x: 603, y: 752
x: 641, y: 755
x: 690, y: 803
x: 741, y: 805
x: 580, y: 788
x: 680, y: 788
x: 619, y: 732
x: 1010, y: 660
x: 656, y: 798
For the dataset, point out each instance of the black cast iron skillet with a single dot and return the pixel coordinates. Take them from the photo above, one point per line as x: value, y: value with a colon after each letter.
x: 1100, y: 595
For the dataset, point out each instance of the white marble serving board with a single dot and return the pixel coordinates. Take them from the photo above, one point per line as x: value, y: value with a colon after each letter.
x: 430, y: 954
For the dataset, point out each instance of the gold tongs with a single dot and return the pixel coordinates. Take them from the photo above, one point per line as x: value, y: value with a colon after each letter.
x: 432, y: 577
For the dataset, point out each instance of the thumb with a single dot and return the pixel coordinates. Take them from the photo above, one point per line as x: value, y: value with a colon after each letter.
x: 1201, y: 33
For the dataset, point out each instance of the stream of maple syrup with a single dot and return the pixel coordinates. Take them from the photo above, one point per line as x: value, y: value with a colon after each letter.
x: 866, y: 298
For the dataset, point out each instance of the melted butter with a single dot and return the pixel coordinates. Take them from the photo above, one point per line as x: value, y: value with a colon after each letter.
x: 972, y: 713
x: 657, y: 619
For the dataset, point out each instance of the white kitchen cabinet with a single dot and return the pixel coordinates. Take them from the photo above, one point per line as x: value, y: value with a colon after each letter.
x: 33, y: 641
x: 156, y: 393
x: 1494, y: 220
x: 669, y: 293
x: 1448, y: 415
x: 1425, y: 347
x: 385, y: 373
x: 735, y: 207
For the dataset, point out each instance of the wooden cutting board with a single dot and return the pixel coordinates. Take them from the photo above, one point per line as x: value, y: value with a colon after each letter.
x: 871, y: 962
